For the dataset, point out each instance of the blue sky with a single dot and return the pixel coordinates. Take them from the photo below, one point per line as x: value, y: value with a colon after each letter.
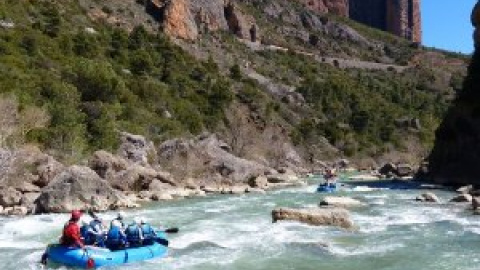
x: 446, y: 24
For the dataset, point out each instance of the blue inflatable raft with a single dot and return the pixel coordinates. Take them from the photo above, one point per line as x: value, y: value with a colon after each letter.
x: 328, y: 188
x: 94, y: 257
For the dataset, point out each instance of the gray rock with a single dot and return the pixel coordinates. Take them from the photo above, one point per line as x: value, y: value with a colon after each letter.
x: 282, y: 178
x: 15, y: 211
x: 161, y: 197
x: 462, y: 198
x: 206, y: 158
x: 258, y: 182
x: 255, y: 190
x: 387, y: 169
x: 27, y: 187
x: 78, y: 188
x: 340, y: 202
x: 465, y: 189
x: 338, y: 217
x: 47, y: 170
x: 428, y: 197
x: 136, y: 148
x: 9, y: 197
x: 106, y: 164
x: 403, y: 170
x: 476, y: 203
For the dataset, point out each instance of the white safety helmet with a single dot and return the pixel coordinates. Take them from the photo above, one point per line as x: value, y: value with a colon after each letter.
x: 116, y: 223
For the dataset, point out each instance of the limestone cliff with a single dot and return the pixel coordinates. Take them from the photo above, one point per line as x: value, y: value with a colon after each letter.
x: 337, y: 7
x: 399, y: 17
x: 187, y: 19
x: 456, y: 155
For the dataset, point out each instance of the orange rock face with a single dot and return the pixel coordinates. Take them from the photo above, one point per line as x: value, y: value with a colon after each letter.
x: 180, y: 21
x: 338, y: 7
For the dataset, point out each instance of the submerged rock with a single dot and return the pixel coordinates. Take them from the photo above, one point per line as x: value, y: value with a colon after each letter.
x: 428, y: 197
x: 340, y: 202
x: 465, y: 189
x: 316, y: 216
x: 462, y: 198
x: 476, y: 203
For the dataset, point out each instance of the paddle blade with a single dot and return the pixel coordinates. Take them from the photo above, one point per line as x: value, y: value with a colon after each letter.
x: 162, y: 241
x: 172, y: 230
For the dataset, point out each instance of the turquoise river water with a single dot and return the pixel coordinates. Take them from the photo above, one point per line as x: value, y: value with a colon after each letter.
x: 236, y: 232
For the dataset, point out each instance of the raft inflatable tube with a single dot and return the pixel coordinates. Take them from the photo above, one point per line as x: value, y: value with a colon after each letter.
x: 94, y: 257
x: 327, y: 188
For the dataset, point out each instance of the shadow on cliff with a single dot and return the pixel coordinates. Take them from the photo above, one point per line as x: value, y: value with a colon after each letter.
x: 455, y: 158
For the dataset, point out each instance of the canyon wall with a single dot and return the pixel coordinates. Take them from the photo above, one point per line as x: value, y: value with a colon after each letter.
x: 337, y: 7
x: 455, y: 157
x: 399, y: 17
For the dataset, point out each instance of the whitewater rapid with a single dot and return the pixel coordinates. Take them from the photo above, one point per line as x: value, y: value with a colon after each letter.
x: 236, y: 232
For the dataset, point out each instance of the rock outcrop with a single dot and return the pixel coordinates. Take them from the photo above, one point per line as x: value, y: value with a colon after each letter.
x: 205, y: 157
x: 78, y: 188
x: 337, y: 7
x: 428, y: 197
x: 186, y: 19
x: 316, y: 216
x: 455, y: 156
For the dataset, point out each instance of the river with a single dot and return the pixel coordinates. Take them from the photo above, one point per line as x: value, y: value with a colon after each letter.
x: 236, y: 232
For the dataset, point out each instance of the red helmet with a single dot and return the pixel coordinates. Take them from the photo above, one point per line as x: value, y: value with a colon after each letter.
x: 76, y: 214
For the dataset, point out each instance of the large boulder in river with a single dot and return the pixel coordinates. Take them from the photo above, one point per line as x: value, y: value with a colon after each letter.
x: 428, y: 197
x: 476, y: 203
x: 316, y: 216
x: 78, y: 188
x: 462, y: 198
x: 340, y: 202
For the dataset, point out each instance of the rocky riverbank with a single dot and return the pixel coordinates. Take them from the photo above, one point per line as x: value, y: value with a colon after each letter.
x: 34, y: 182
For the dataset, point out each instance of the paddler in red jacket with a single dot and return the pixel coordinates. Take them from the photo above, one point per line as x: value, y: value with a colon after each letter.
x: 71, y: 232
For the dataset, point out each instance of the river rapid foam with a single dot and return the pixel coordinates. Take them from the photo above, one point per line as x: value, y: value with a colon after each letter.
x: 236, y: 232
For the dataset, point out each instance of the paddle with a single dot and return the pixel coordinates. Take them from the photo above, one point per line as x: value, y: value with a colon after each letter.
x: 172, y: 230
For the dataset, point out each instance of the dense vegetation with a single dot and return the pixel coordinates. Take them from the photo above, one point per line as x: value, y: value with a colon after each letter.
x: 73, y: 84
x: 94, y: 82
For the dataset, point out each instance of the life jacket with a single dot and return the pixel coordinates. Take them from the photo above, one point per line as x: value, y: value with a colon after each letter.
x: 115, y: 236
x: 96, y: 225
x: 147, y: 231
x: 133, y: 234
x: 70, y: 235
x: 88, y: 237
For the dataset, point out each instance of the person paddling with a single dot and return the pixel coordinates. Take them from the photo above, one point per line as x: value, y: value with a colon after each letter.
x: 120, y: 218
x: 330, y: 176
x: 71, y: 232
x: 148, y: 232
x: 98, y: 230
x: 134, y: 233
x: 116, y: 238
x: 87, y: 233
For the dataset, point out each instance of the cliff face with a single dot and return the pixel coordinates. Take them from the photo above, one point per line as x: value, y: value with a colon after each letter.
x: 455, y: 158
x: 186, y: 19
x: 399, y: 17
x: 337, y: 7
